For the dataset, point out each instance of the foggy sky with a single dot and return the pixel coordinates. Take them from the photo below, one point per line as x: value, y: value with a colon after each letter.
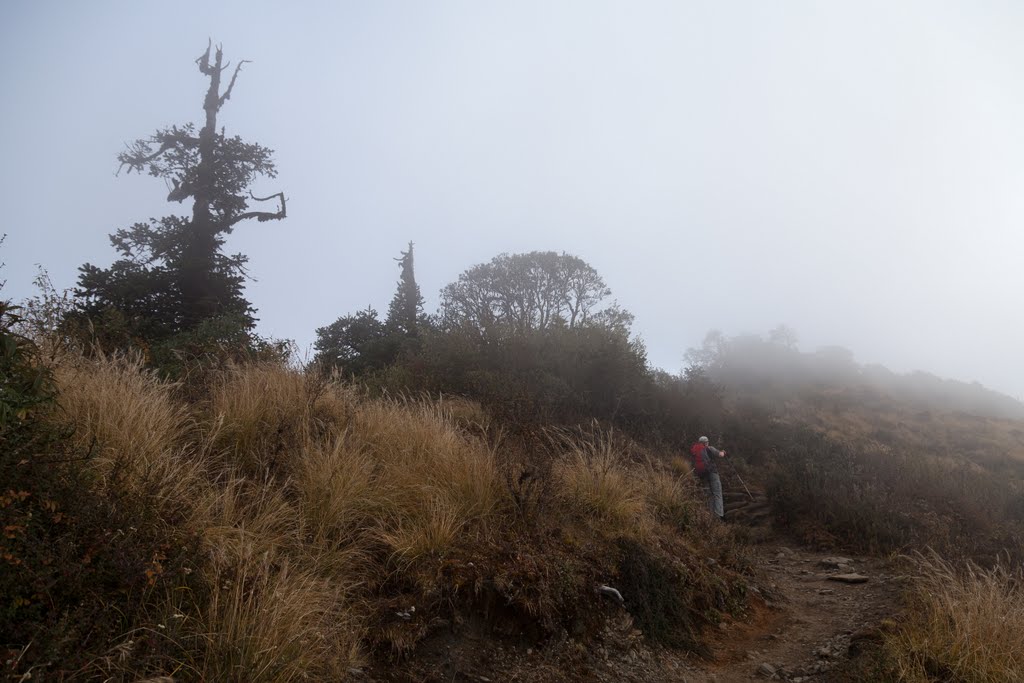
x: 853, y: 170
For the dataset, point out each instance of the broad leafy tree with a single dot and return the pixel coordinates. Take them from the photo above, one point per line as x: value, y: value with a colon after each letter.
x: 172, y: 275
x: 355, y: 343
x: 515, y: 294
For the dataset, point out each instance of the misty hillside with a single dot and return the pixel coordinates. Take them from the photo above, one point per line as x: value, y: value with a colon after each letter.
x: 867, y: 408
x: 774, y: 368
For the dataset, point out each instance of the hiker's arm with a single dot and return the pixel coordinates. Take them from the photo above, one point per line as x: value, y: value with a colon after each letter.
x: 715, y: 452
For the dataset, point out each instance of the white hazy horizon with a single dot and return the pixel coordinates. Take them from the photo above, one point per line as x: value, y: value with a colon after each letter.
x: 851, y: 170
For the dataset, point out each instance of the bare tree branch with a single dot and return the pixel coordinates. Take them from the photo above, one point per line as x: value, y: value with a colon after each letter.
x: 263, y: 216
x: 137, y: 161
x: 267, y: 198
x: 204, y: 60
x: 227, y: 93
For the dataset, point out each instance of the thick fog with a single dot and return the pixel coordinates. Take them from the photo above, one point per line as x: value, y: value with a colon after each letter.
x: 854, y: 170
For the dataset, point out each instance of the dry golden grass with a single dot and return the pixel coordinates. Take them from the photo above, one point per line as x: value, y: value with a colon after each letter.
x: 121, y: 405
x: 303, y: 496
x: 431, y: 481
x: 130, y: 421
x: 431, y: 530
x: 462, y: 412
x: 257, y: 410
x: 270, y: 607
x: 261, y: 415
x: 391, y: 470
x: 680, y: 466
x: 672, y: 497
x: 425, y: 451
x: 965, y: 624
x: 268, y: 620
x: 240, y: 513
x: 325, y: 480
x: 338, y: 488
x: 595, y: 480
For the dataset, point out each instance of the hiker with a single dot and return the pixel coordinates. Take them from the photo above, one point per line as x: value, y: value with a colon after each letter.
x: 707, y: 472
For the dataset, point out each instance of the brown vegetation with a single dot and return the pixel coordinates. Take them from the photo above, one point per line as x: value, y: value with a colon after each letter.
x: 298, y: 522
x: 965, y: 623
x: 265, y: 523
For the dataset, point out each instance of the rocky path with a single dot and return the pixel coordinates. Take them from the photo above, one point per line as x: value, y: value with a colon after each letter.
x: 813, y: 609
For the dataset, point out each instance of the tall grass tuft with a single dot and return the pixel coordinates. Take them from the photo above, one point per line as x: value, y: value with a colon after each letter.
x: 595, y: 480
x: 135, y: 430
x: 122, y: 406
x: 261, y: 412
x: 672, y: 497
x: 430, y: 531
x: 269, y: 620
x: 965, y: 624
x: 431, y: 480
x: 338, y: 485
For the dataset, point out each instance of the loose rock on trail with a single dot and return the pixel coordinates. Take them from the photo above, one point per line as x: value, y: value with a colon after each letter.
x: 813, y: 610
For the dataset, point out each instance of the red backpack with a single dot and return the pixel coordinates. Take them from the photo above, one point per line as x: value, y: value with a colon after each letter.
x: 697, y: 451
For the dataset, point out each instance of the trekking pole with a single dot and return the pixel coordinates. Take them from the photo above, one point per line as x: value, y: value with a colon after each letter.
x: 742, y: 482
x: 736, y: 472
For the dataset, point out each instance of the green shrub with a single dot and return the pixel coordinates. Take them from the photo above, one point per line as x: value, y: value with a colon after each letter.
x: 26, y: 383
x: 76, y: 566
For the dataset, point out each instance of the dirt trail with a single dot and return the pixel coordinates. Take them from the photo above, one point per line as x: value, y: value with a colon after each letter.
x: 805, y: 622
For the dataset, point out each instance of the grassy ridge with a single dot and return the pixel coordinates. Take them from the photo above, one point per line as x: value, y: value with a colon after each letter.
x: 289, y: 519
x: 270, y: 524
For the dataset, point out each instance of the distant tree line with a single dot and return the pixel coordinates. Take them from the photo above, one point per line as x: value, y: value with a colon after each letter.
x: 534, y: 336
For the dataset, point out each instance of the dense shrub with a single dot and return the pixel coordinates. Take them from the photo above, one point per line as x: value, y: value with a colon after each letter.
x: 80, y: 560
x: 26, y: 383
x: 559, y: 376
x: 867, y: 499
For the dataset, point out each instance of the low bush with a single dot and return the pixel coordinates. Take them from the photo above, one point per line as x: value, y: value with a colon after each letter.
x: 870, y: 499
x: 81, y: 559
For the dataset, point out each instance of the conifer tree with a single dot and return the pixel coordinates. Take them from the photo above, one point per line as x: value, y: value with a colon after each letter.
x: 361, y: 343
x: 172, y: 275
x: 406, y: 310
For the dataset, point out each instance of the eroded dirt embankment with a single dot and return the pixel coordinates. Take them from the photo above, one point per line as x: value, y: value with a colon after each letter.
x: 802, y: 625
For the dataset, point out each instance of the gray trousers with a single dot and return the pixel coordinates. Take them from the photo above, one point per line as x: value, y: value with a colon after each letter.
x: 713, y: 488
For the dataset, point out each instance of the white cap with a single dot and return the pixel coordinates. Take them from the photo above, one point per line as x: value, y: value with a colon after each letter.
x: 703, y: 439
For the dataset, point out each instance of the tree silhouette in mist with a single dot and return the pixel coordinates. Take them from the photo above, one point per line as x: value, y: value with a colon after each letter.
x: 172, y: 275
